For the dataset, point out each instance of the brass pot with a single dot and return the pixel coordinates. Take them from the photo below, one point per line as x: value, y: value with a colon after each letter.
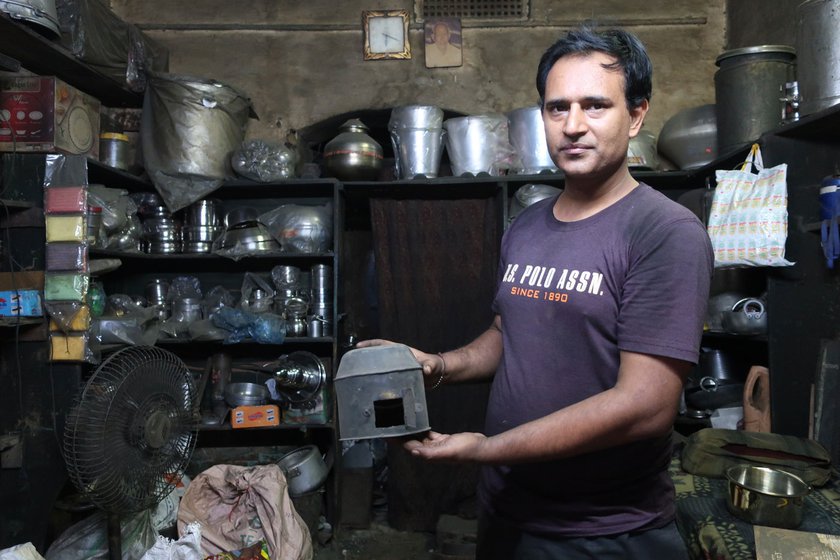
x: 353, y: 155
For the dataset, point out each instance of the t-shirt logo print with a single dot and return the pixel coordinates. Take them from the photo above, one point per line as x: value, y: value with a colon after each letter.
x: 542, y: 282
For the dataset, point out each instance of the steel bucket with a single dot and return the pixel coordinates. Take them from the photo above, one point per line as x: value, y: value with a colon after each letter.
x: 478, y: 144
x: 527, y: 135
x: 417, y: 138
x: 42, y: 13
x: 818, y: 54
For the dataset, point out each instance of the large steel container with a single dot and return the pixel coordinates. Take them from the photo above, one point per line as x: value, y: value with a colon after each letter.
x: 747, y: 91
x: 818, y: 54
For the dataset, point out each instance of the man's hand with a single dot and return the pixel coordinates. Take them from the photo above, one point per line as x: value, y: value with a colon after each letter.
x: 463, y: 447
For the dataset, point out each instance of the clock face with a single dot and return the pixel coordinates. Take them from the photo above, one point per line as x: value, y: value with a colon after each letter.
x: 387, y: 35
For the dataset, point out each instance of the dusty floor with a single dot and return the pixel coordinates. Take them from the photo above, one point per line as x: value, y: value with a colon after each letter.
x: 379, y: 542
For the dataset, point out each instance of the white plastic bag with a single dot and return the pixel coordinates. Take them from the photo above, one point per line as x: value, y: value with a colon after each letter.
x: 188, y: 547
x: 26, y: 551
x: 748, y: 218
x: 88, y: 539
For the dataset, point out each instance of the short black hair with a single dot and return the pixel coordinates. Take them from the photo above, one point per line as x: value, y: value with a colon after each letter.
x: 629, y: 52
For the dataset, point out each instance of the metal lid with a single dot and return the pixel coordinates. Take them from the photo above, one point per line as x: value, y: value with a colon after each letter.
x: 758, y: 49
x: 376, y: 359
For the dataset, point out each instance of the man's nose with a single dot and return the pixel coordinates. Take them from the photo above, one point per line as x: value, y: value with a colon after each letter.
x: 575, y: 124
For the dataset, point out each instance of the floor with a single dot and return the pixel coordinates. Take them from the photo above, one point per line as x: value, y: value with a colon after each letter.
x: 380, y: 542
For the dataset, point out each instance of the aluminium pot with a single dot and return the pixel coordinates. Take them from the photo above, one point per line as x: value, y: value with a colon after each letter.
x: 747, y: 89
x: 305, y: 470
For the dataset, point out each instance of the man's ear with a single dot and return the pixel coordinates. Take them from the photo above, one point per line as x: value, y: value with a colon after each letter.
x: 637, y: 117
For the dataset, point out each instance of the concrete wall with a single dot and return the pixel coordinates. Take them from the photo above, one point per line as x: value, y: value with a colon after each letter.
x: 761, y: 22
x: 301, y: 62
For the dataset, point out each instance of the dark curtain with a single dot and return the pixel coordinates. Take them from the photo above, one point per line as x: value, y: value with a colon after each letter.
x: 436, y: 266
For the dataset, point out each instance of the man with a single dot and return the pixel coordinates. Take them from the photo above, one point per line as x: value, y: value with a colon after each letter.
x: 441, y: 52
x: 600, y: 303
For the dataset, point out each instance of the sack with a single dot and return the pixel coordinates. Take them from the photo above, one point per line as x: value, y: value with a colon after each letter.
x: 239, y: 506
x: 748, y: 219
x: 711, y: 451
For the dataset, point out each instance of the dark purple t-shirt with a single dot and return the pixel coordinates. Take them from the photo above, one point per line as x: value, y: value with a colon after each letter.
x: 571, y: 296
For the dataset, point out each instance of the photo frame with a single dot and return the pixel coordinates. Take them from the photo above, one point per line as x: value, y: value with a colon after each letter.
x: 443, y: 42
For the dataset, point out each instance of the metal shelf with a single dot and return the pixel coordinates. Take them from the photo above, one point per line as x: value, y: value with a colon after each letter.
x: 38, y: 54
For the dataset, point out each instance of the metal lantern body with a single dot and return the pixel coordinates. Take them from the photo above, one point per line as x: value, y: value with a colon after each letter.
x: 380, y: 393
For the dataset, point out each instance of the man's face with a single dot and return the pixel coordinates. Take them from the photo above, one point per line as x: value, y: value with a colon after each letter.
x: 441, y: 34
x: 587, y: 124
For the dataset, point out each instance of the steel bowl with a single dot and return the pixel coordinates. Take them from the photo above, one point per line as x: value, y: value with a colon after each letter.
x: 246, y: 394
x: 252, y: 238
x: 766, y: 496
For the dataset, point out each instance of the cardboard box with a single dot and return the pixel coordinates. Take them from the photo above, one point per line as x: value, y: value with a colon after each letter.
x: 255, y: 416
x: 47, y: 115
x: 316, y: 411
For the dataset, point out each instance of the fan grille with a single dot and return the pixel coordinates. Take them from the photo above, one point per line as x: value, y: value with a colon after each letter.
x: 131, y: 433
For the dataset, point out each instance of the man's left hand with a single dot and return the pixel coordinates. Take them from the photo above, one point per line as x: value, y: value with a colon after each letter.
x: 447, y: 447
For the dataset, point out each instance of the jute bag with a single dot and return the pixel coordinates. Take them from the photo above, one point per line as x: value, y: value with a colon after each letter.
x: 748, y: 218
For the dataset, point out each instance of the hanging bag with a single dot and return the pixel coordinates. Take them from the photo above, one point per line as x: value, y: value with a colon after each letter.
x: 748, y: 219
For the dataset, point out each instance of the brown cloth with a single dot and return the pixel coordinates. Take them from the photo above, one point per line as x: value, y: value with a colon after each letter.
x: 711, y: 451
x: 436, y: 262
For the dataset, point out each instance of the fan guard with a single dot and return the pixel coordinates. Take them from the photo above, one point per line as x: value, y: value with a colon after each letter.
x: 131, y: 432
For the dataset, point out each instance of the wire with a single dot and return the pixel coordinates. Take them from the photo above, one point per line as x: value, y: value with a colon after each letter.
x: 6, y: 182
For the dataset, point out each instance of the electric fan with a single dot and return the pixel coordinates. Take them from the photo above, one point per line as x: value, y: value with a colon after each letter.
x: 131, y: 433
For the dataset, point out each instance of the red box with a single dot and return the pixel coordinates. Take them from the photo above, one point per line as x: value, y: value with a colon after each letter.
x: 47, y: 115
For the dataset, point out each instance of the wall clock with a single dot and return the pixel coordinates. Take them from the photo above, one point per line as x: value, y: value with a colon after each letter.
x: 386, y: 34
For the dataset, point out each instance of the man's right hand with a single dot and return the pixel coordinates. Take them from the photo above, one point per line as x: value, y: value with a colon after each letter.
x: 432, y: 364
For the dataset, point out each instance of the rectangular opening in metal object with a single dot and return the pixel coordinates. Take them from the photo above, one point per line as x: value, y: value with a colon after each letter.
x: 476, y: 9
x: 388, y: 413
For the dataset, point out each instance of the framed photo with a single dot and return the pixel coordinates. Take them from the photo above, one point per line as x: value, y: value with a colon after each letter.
x: 443, y: 42
x: 386, y: 35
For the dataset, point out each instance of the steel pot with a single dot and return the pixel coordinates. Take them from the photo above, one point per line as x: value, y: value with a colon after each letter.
x: 766, y: 496
x: 305, y: 470
x: 353, y: 155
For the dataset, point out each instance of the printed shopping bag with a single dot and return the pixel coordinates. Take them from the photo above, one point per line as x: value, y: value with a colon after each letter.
x: 748, y: 218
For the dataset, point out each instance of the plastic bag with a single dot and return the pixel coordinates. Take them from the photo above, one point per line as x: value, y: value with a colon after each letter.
x: 264, y: 161
x: 88, y: 539
x: 265, y: 328
x: 748, y: 219
x: 188, y: 547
